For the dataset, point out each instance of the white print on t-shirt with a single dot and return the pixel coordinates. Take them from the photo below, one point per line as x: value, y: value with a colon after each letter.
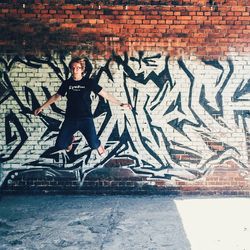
x: 76, y: 88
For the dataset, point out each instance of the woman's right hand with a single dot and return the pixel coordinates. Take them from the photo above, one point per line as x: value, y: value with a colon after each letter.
x: 38, y: 111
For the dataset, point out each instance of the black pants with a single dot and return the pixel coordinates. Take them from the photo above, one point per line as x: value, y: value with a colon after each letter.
x: 69, y: 127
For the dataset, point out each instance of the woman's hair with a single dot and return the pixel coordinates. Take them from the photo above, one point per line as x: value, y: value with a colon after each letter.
x: 77, y: 60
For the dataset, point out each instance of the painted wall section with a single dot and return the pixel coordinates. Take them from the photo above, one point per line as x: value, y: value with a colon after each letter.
x: 187, y: 81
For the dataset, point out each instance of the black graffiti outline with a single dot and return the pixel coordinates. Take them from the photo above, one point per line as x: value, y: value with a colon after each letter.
x: 11, y: 118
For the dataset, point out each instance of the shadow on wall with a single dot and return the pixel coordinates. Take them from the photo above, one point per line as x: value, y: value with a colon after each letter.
x: 17, y: 35
x: 186, y: 117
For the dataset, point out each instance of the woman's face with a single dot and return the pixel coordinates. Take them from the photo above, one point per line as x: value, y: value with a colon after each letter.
x: 77, y: 70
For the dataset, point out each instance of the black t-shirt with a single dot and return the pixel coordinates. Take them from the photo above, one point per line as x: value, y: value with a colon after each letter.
x: 78, y: 95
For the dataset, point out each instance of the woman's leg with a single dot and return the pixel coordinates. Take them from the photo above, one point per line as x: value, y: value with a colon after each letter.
x: 65, y: 136
x: 87, y: 128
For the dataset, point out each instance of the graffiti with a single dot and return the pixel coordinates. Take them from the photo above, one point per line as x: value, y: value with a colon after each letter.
x: 186, y: 117
x: 11, y: 136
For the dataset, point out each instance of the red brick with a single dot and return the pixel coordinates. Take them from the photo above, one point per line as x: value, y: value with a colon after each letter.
x: 238, y: 8
x: 69, y: 7
x: 166, y: 13
x: 68, y: 25
x: 184, y: 18
x: 153, y: 17
x: 59, y: 16
x: 5, y: 10
x: 42, y: 12
x: 199, y: 18
x: 137, y: 17
x: 244, y: 18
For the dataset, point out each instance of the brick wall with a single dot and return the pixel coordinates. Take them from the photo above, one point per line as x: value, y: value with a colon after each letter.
x: 183, y: 66
x: 178, y: 27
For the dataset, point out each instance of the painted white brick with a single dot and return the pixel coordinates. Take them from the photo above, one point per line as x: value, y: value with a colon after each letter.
x: 234, y: 135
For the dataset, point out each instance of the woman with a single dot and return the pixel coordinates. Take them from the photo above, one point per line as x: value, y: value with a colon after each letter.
x: 78, y: 114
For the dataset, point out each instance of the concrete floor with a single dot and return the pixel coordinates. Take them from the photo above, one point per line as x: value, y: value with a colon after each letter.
x: 124, y: 223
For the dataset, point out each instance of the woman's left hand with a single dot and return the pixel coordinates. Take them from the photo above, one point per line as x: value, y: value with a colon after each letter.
x: 126, y: 105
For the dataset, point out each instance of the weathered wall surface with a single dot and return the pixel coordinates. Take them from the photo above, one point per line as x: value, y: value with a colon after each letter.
x: 182, y: 65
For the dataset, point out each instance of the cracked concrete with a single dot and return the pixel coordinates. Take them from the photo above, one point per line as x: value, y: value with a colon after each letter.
x: 118, y: 223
